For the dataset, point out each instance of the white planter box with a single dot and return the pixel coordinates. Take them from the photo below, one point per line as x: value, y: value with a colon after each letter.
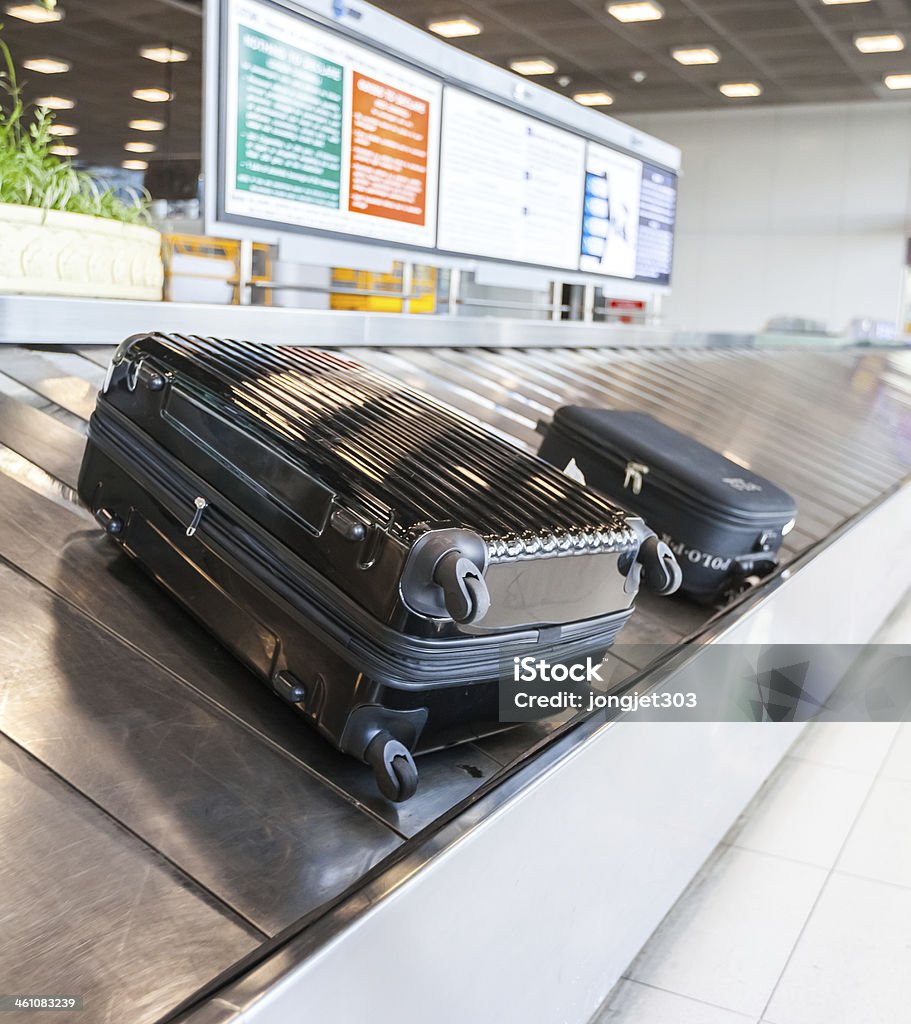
x: 47, y: 252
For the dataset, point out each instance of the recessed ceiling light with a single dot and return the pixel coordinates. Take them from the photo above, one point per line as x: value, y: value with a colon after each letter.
x: 35, y: 12
x: 164, y: 54
x: 47, y: 65
x: 740, y: 90
x: 890, y: 42
x: 832, y: 3
x: 142, y: 125
x: 135, y: 165
x: 63, y: 130
x: 63, y: 150
x: 152, y: 95
x: 696, y: 55
x: 55, y: 103
x: 533, y: 66
x: 897, y: 81
x: 649, y: 11
x: 594, y: 99
x: 456, y: 28
x: 140, y: 147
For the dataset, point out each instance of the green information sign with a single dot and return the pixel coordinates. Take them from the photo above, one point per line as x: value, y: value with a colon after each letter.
x: 289, y: 124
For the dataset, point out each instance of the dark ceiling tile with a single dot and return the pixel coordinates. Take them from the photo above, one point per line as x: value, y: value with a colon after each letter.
x: 830, y: 64
x: 540, y: 12
x: 772, y: 47
x: 763, y: 17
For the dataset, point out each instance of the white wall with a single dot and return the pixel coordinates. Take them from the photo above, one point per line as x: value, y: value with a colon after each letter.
x: 799, y: 210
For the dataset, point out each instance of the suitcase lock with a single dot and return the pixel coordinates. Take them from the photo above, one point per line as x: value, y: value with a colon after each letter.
x: 635, y: 471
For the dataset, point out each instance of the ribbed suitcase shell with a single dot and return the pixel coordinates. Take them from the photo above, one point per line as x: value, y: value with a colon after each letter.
x: 297, y: 503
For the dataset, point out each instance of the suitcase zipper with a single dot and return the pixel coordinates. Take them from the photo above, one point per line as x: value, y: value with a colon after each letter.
x: 200, y: 504
x: 635, y: 471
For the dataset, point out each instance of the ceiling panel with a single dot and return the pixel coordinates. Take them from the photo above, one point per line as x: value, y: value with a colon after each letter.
x: 799, y: 50
x: 101, y: 39
x: 771, y: 17
x: 783, y: 44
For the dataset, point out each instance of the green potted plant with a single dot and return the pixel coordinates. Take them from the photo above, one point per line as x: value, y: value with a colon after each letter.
x: 61, y: 233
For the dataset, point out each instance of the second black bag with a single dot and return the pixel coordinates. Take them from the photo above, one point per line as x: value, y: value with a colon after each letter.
x: 724, y: 522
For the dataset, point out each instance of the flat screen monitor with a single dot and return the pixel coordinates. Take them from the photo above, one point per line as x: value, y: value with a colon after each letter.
x: 337, y: 121
x: 510, y: 185
x: 628, y: 217
x: 323, y: 133
x: 657, y: 216
x: 610, y: 212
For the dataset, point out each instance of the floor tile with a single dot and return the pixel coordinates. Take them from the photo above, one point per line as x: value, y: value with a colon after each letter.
x: 729, y: 936
x: 632, y: 1003
x: 879, y: 846
x: 858, y: 746
x: 805, y: 813
x: 898, y: 764
x: 852, y: 964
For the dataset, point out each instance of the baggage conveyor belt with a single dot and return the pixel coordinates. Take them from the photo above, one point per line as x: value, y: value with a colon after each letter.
x: 162, y: 814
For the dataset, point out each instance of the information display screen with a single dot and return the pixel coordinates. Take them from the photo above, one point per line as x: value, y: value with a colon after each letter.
x: 318, y: 132
x: 610, y: 221
x: 657, y: 213
x: 326, y: 134
x: 628, y: 217
x: 510, y: 185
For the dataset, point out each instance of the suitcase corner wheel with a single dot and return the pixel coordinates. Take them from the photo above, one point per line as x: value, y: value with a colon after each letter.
x: 393, y: 767
x: 383, y: 739
x: 660, y: 568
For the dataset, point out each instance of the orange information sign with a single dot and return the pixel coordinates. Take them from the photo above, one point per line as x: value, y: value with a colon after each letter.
x: 389, y: 130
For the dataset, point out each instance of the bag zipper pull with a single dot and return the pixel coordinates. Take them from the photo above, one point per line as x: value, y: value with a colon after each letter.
x: 635, y: 471
x: 201, y: 505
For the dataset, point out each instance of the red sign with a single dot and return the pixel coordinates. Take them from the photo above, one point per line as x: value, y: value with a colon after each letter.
x: 388, y: 152
x: 626, y: 311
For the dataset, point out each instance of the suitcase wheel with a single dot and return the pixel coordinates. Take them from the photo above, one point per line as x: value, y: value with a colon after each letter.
x: 465, y: 592
x: 659, y: 567
x: 393, y: 767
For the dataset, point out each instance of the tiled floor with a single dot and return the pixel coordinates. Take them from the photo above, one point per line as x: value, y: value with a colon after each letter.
x: 803, y: 913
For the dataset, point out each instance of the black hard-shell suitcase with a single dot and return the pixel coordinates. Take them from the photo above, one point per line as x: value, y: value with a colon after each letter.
x: 373, y: 555
x: 724, y: 523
